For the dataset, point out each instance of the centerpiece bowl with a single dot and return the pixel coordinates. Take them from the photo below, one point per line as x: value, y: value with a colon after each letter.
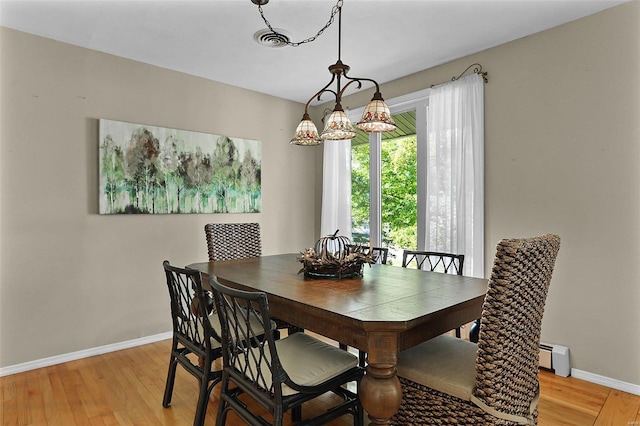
x: 334, y: 257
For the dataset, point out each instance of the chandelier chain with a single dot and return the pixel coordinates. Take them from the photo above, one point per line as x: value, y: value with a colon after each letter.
x: 334, y: 11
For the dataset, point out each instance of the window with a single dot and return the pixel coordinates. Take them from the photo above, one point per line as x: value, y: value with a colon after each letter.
x: 385, y: 197
x: 398, y: 188
x: 449, y: 175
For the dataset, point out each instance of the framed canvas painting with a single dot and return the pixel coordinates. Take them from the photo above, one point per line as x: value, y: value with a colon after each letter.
x: 155, y: 170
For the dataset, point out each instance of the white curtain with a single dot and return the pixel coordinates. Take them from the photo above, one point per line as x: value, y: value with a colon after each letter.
x: 336, y: 188
x: 455, y: 171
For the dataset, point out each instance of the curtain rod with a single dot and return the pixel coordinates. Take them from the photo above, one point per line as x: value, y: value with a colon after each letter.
x: 476, y: 70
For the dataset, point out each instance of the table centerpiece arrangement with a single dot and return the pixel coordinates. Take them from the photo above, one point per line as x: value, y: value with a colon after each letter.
x: 335, y: 257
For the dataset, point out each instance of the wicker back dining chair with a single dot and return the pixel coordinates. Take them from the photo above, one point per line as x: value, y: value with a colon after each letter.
x: 278, y: 374
x: 434, y: 261
x: 381, y: 253
x: 494, y: 382
x: 228, y: 241
x: 193, y: 335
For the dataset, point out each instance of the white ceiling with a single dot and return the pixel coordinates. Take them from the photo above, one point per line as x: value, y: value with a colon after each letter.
x: 383, y: 40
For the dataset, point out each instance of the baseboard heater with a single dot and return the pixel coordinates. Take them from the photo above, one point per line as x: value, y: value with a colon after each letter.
x: 555, y: 358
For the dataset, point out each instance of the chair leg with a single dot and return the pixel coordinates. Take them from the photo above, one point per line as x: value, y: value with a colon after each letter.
x: 171, y: 378
x: 458, y: 332
x: 203, y: 399
x: 474, y: 331
x: 362, y: 358
x: 278, y: 415
x: 342, y: 346
x: 359, y: 416
x: 207, y: 383
x: 296, y: 414
x: 294, y: 329
x: 221, y: 418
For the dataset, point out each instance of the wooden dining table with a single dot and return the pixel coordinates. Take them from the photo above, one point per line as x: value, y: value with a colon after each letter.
x: 385, y: 311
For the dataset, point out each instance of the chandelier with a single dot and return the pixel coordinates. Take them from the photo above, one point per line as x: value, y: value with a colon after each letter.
x: 375, y: 118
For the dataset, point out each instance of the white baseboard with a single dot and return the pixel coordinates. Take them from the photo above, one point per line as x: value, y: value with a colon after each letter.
x: 606, y: 381
x: 59, y: 359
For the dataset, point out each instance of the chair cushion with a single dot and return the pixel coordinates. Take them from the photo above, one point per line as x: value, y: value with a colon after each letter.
x: 444, y: 363
x: 309, y: 361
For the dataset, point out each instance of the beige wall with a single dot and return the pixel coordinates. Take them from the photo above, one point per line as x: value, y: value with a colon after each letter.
x: 563, y: 155
x: 72, y: 279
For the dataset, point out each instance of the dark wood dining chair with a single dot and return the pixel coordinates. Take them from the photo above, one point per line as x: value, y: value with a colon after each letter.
x: 193, y: 335
x: 447, y: 263
x: 494, y: 382
x: 278, y: 374
x: 434, y: 261
x: 228, y: 241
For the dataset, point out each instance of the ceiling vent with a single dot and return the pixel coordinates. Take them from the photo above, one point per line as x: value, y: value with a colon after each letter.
x: 268, y: 38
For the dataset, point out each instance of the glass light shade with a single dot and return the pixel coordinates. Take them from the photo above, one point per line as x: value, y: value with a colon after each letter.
x: 377, y: 117
x: 306, y: 134
x: 338, y: 127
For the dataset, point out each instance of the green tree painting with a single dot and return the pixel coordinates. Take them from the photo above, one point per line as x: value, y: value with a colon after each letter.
x: 156, y: 170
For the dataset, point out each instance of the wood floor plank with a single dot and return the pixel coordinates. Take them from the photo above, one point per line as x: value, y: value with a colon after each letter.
x: 52, y: 405
x: 113, y: 393
x: 71, y: 389
x: 9, y: 400
x: 35, y: 394
x: 620, y: 408
x: 24, y: 416
x: 146, y: 404
x: 123, y: 418
x: 552, y: 413
x: 120, y: 365
x: 57, y: 407
x: 149, y: 384
x: 94, y: 391
x: 573, y: 393
x: 2, y: 399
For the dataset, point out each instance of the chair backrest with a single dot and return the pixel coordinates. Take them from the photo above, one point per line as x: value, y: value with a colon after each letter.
x: 434, y: 261
x: 226, y: 241
x: 249, y: 352
x: 508, y: 345
x: 191, y: 325
x: 381, y: 253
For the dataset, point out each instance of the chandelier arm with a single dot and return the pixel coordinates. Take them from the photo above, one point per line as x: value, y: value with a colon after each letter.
x: 325, y: 91
x: 320, y: 92
x: 359, y: 81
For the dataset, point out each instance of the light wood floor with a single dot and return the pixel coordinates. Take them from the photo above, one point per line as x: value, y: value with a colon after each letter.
x: 126, y: 388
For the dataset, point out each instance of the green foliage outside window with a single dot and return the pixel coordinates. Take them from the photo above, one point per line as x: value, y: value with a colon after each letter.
x: 399, y: 189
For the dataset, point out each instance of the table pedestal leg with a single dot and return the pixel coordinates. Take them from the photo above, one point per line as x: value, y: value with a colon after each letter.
x: 380, y: 393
